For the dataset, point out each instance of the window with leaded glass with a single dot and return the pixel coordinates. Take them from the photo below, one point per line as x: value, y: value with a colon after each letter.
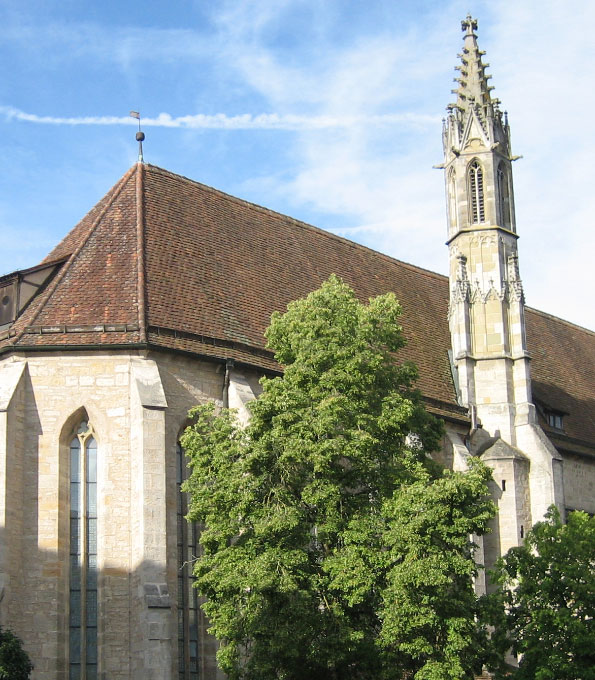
x: 82, y: 648
x: 188, y: 609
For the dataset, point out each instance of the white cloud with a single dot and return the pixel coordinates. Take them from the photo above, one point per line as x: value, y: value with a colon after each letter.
x: 221, y: 121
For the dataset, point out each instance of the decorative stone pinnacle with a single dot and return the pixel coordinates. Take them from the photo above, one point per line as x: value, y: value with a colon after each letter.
x: 513, y: 267
x: 462, y: 273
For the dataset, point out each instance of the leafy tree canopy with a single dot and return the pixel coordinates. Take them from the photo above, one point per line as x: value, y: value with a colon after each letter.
x: 547, y: 611
x: 334, y: 547
x: 14, y: 662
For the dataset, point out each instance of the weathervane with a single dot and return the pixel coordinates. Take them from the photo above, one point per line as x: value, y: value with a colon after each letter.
x: 140, y: 136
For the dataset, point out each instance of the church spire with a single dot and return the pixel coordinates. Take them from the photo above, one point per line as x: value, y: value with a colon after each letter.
x: 473, y: 81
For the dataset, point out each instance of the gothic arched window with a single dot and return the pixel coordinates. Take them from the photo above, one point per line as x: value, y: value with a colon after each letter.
x: 476, y: 194
x: 503, y: 179
x: 188, y: 610
x: 82, y: 645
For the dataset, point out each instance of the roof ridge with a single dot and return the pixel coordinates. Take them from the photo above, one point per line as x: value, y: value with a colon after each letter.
x: 140, y: 249
x: 116, y: 190
x: 559, y: 318
x: 301, y: 223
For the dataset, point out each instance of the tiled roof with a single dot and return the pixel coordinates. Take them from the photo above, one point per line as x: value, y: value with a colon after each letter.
x: 563, y: 371
x: 193, y: 269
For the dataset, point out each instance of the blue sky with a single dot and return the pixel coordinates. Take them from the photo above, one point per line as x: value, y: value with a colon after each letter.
x: 326, y: 110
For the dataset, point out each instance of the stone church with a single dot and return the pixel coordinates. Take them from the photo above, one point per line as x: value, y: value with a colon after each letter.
x: 157, y: 300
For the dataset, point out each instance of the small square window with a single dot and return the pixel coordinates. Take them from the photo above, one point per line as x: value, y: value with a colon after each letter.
x: 555, y: 419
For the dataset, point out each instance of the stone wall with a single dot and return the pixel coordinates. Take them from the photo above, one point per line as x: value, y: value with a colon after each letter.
x: 137, y: 405
x: 579, y: 482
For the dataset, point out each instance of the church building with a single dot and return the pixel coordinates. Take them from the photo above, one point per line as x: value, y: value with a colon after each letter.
x: 157, y: 301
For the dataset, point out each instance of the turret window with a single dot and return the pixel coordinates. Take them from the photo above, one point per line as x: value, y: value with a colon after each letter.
x: 476, y: 193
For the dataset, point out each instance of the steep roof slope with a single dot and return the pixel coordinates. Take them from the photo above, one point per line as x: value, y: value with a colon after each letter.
x: 170, y: 262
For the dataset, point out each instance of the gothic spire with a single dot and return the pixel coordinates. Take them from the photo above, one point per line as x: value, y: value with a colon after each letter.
x: 473, y: 81
x: 474, y: 99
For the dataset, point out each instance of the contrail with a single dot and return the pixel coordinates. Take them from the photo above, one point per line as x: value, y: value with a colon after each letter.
x: 221, y: 121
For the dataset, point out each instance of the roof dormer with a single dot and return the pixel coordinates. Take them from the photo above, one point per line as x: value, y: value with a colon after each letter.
x: 19, y: 288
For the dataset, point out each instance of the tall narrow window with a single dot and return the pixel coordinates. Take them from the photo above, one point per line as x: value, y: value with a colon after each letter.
x: 83, y: 555
x: 188, y: 611
x: 504, y: 196
x: 476, y: 201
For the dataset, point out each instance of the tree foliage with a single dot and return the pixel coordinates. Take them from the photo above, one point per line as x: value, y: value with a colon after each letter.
x: 547, y: 599
x: 14, y: 661
x: 334, y: 547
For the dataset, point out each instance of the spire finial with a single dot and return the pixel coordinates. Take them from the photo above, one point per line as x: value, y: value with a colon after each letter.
x: 140, y: 136
x: 469, y: 24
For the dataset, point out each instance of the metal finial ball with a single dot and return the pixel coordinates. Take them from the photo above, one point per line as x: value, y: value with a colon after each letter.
x: 140, y: 136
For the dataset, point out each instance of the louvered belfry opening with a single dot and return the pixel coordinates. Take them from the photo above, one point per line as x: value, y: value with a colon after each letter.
x: 476, y: 193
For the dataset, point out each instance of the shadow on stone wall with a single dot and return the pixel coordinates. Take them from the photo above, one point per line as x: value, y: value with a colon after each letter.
x: 137, y: 620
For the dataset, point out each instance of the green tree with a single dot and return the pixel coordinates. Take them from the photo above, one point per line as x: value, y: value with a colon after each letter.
x: 547, y: 599
x: 14, y: 662
x: 334, y: 546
